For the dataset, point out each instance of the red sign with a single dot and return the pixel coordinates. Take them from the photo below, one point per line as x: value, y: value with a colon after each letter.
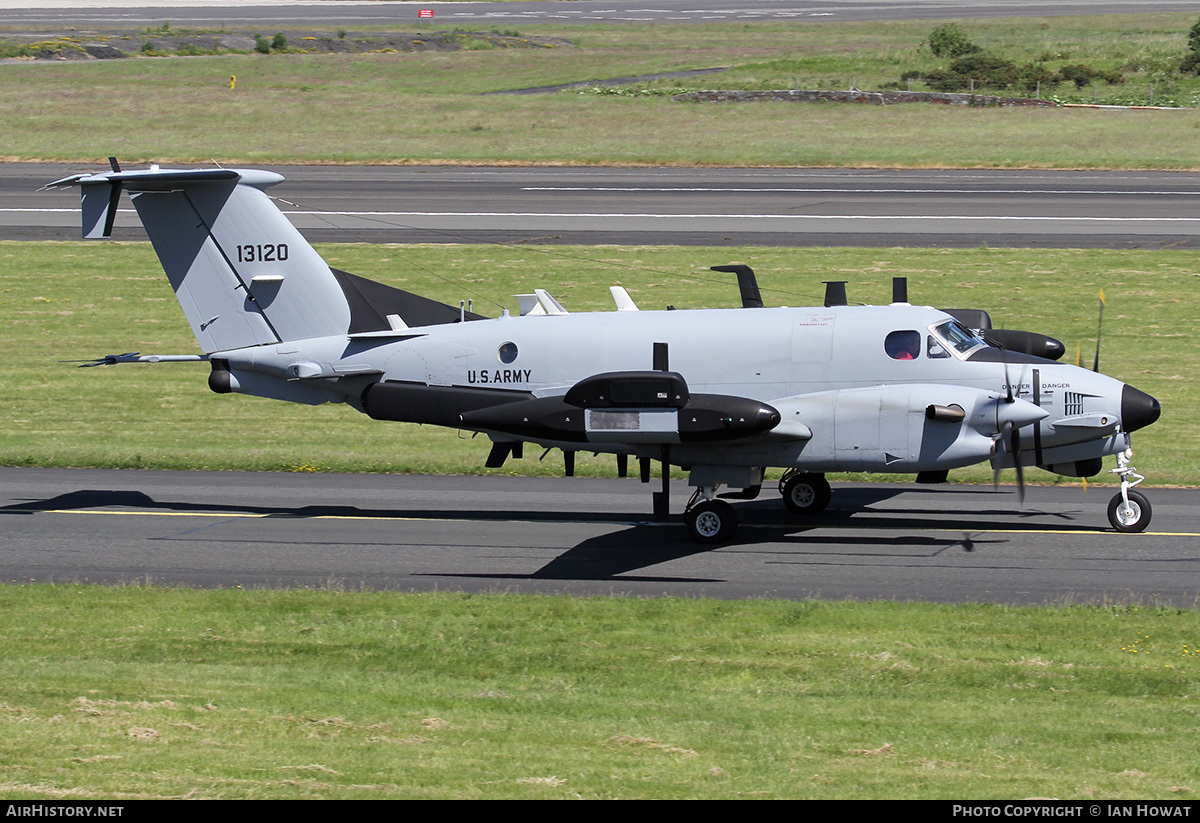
x: 424, y: 12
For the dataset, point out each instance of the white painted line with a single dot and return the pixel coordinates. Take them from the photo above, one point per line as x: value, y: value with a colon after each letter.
x: 688, y: 216
x: 796, y: 190
x: 653, y: 216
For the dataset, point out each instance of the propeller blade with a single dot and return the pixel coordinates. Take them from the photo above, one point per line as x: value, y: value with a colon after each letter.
x: 1007, y: 380
x: 114, y: 199
x: 1099, y: 325
x: 1001, y: 441
x: 1016, y: 453
x: 1010, y: 436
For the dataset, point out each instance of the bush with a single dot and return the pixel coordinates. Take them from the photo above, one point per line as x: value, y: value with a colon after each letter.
x: 1035, y: 76
x: 1079, y: 74
x: 279, y: 42
x: 984, y: 70
x: 1194, y: 37
x: 949, y: 40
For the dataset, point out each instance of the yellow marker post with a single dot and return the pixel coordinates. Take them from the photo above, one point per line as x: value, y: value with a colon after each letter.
x: 232, y: 80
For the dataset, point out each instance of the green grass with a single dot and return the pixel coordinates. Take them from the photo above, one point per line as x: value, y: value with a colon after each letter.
x: 429, y: 107
x: 142, y: 692
x: 83, y: 300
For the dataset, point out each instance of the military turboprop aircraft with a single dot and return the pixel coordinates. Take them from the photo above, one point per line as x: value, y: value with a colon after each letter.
x: 725, y: 394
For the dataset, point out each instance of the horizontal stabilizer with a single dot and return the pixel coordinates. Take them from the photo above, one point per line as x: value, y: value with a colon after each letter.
x: 137, y: 357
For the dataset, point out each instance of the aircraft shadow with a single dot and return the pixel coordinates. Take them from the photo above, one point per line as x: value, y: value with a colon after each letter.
x: 110, y: 498
x: 614, y: 555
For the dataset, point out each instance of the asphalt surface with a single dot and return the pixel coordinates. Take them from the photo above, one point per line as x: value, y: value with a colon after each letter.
x: 587, y: 536
x: 780, y: 207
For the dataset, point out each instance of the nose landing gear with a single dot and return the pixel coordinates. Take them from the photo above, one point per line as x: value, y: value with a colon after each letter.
x: 1128, y: 511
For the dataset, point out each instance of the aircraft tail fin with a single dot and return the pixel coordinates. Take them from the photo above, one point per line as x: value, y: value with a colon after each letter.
x: 244, y: 275
x: 242, y: 272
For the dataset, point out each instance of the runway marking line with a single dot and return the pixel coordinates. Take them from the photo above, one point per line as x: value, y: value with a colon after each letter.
x: 814, y: 527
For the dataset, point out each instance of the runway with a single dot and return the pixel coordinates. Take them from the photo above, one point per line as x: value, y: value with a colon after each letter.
x: 680, y: 206
x: 586, y: 536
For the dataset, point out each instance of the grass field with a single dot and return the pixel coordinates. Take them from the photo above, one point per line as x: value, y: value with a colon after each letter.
x: 140, y: 692
x: 431, y: 106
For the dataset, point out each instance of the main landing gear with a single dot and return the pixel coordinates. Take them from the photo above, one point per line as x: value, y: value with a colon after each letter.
x: 711, y: 521
x: 1128, y: 511
x: 804, y: 492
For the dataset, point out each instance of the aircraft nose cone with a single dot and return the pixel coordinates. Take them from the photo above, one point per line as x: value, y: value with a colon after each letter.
x: 1138, y: 409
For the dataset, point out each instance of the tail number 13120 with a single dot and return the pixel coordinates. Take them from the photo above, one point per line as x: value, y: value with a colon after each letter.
x: 262, y: 253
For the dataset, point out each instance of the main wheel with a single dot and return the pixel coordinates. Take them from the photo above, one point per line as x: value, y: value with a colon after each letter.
x: 806, y: 493
x: 711, y: 521
x: 1134, y: 517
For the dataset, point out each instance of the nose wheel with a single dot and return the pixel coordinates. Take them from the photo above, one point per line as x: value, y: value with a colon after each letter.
x: 1128, y: 511
x: 1131, y: 514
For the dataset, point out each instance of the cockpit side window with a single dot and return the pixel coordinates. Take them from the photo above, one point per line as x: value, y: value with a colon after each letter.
x: 903, y: 345
x: 955, y: 337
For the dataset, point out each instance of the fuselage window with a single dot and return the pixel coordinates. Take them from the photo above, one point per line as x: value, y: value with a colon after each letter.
x: 903, y: 345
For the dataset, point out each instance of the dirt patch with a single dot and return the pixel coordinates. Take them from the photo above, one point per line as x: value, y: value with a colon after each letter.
x: 108, y: 45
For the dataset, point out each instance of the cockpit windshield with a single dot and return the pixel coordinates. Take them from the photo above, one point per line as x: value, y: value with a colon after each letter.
x: 957, y: 338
